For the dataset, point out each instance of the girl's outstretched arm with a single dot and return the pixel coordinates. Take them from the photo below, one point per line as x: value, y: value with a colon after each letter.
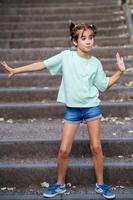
x: 121, y: 68
x: 28, y: 68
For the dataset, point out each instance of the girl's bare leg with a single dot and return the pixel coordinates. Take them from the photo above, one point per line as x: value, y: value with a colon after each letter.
x: 69, y: 131
x: 95, y: 145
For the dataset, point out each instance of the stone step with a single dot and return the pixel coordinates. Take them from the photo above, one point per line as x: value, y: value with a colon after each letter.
x: 59, y: 25
x: 117, y: 171
x: 49, y: 129
x: 61, y: 33
x: 59, y: 42
x: 43, y: 53
x: 18, y: 151
x: 44, y: 79
x: 53, y: 10
x: 46, y: 94
x: 83, y: 194
x: 23, y: 166
x: 54, y: 4
x: 59, y: 17
x: 59, y: 4
x: 55, y: 110
x: 51, y: 1
x: 118, y: 93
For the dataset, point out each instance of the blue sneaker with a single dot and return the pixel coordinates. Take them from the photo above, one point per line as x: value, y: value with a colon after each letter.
x: 105, y: 191
x: 54, y: 190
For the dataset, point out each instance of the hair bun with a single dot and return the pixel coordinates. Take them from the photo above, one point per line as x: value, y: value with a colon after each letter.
x: 71, y: 26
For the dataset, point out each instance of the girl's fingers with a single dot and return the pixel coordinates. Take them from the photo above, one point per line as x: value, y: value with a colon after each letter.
x: 117, y: 54
x: 118, y: 57
x: 4, y: 64
x: 9, y: 69
x: 120, y: 62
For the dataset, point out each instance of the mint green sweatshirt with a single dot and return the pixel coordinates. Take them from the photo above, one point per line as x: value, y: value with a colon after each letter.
x: 82, y: 79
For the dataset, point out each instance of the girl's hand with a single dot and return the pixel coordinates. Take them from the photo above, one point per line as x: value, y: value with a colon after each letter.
x: 10, y: 70
x: 120, y: 62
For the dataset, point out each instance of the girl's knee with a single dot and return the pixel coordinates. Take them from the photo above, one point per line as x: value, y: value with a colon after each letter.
x: 96, y: 149
x: 64, y: 153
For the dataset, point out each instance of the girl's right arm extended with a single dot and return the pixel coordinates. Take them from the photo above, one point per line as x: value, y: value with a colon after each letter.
x: 28, y: 68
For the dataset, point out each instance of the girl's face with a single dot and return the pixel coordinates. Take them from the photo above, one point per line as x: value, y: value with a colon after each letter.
x: 85, y: 41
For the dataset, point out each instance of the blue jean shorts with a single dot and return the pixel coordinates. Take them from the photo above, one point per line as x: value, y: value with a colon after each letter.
x: 77, y: 115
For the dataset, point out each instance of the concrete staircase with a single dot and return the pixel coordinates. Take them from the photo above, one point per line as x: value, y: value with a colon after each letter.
x: 31, y: 119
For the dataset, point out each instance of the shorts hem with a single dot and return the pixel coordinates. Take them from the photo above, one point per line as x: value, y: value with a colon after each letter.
x: 71, y: 122
x: 93, y: 118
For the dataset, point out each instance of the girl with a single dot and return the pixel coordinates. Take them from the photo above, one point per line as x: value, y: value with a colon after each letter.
x: 82, y: 78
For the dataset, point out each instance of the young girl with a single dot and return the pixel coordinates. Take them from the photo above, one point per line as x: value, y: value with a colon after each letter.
x: 82, y: 78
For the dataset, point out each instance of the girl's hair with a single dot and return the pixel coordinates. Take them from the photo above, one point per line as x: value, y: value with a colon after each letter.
x: 75, y: 28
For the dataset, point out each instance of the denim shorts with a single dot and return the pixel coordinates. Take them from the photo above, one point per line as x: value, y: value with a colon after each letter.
x: 77, y: 115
